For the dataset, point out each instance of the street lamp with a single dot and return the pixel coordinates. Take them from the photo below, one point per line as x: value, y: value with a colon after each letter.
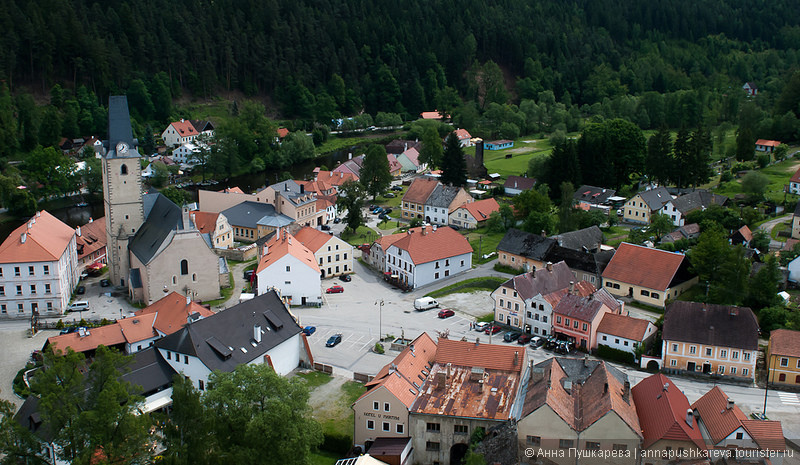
x: 380, y: 319
x: 770, y: 371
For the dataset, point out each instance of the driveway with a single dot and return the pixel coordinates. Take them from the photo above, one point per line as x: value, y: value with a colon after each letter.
x: 768, y: 225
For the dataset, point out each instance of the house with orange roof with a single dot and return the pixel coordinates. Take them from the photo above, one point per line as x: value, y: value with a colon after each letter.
x: 583, y: 405
x: 382, y: 411
x: 650, y: 276
x: 766, y: 145
x: 290, y: 267
x: 38, y: 268
x: 469, y: 385
x: 464, y: 137
x: 624, y: 332
x: 668, y: 424
x: 409, y: 161
x: 334, y: 178
x: 711, y: 339
x: 91, y: 244
x: 526, y: 301
x: 473, y: 214
x: 577, y: 317
x: 282, y: 132
x: 794, y: 183
x: 413, y: 202
x: 334, y: 256
x: 742, y: 236
x: 783, y: 357
x: 179, y: 133
x: 376, y: 257
x: 395, y: 168
x: 428, y: 254
x: 435, y: 114
x: 216, y: 226
x: 724, y: 426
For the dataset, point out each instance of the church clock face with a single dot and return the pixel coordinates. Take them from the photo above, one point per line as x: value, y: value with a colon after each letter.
x: 122, y: 147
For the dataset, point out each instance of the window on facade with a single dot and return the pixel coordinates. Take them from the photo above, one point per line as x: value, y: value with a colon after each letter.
x: 460, y: 429
x: 592, y: 445
x: 432, y: 446
x: 447, y: 273
x: 376, y: 405
x: 186, y: 359
x: 673, y: 363
x: 49, y: 306
x: 399, y: 428
x: 386, y: 426
x: 566, y: 322
x: 721, y: 370
x: 19, y: 290
x: 33, y: 288
x: 692, y: 349
x: 184, y: 267
x: 585, y: 326
x: 745, y: 371
x: 746, y: 357
x: 47, y: 288
x: 733, y: 370
x: 370, y: 424
x: 723, y: 353
x: 30, y: 271
x: 784, y: 362
x: 558, y: 319
x: 709, y: 351
x: 386, y: 406
x: 433, y: 427
x: 20, y: 308
x: 533, y: 440
x: 655, y: 295
x: 735, y: 355
x: 645, y: 293
x: 575, y: 324
x: 436, y: 275
x: 16, y: 271
x: 565, y: 443
x: 620, y: 447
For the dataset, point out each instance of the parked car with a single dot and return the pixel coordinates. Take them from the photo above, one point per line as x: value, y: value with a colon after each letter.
x: 524, y: 339
x: 80, y: 290
x: 481, y: 326
x: 105, y: 283
x: 372, y: 207
x: 446, y: 313
x: 346, y: 278
x: 389, y: 195
x: 383, y: 216
x: 378, y: 210
x: 387, y: 210
x: 337, y: 220
x: 511, y: 336
x: 397, y: 188
x: 248, y: 274
x: 309, y: 330
x: 492, y: 330
x: 537, y: 341
x: 334, y: 290
x: 563, y: 347
x: 333, y: 340
x: 325, y: 227
x: 455, y: 228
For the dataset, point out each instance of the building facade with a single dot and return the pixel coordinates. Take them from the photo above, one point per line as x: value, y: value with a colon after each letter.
x: 783, y: 357
x: 428, y: 254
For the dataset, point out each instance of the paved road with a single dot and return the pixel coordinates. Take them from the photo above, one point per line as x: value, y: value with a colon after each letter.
x: 767, y: 226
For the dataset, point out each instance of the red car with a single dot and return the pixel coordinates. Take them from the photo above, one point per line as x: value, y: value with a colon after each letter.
x: 334, y: 290
x: 446, y: 313
x: 492, y: 330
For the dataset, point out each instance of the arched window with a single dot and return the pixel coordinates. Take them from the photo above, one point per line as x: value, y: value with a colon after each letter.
x: 174, y: 280
x: 184, y: 267
x: 194, y: 277
x: 123, y: 169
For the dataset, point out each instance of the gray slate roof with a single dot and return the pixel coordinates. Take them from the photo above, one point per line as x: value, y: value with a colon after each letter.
x: 149, y: 371
x: 586, y: 239
x: 716, y: 325
x: 119, y: 128
x: 442, y: 196
x: 276, y: 221
x: 525, y: 244
x: 218, y: 339
x: 529, y: 285
x: 519, y: 182
x: 797, y: 209
x: 590, y: 262
x: 593, y: 195
x: 656, y: 198
x: 247, y: 214
x: 163, y: 218
x: 697, y: 200
x: 293, y: 192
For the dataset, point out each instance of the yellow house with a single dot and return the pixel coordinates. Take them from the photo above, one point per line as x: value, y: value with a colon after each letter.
x: 711, y: 339
x: 413, y: 202
x: 643, y: 205
x: 783, y: 357
x: 650, y: 276
x: 606, y: 431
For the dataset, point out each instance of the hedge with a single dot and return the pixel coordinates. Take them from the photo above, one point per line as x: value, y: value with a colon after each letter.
x: 615, y: 355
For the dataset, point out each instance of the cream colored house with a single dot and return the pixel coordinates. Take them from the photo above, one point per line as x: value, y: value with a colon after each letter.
x: 650, y: 276
x: 643, y: 205
x: 413, y: 202
x: 382, y: 411
x: 217, y: 226
x: 334, y: 256
x: 583, y: 405
x: 473, y: 214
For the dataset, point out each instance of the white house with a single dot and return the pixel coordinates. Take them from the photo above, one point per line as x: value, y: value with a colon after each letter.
x: 38, y: 268
x: 427, y: 255
x: 184, y: 153
x: 677, y: 209
x: 623, y: 332
x: 334, y: 256
x: 794, y: 183
x: 766, y: 145
x: 256, y: 331
x: 289, y: 266
x: 442, y: 201
x: 179, y: 132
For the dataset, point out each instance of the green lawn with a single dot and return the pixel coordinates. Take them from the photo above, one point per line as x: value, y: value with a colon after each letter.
x: 488, y: 283
x: 363, y: 235
x: 525, y: 148
x: 343, y: 424
x: 322, y: 457
x: 778, y: 174
x: 483, y: 242
x: 778, y: 228
x: 314, y: 379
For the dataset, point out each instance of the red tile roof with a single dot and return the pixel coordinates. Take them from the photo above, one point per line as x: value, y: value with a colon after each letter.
x: 482, y: 209
x: 767, y: 434
x: 92, y: 238
x: 768, y: 143
x: 623, y: 326
x: 138, y: 328
x: 487, y: 356
x: 643, y: 266
x: 233, y: 190
x: 206, y: 222
x: 335, y: 178
x: 426, y: 244
x: 394, y: 165
x: 312, y: 238
x: 283, y: 132
x: 278, y: 247
x: 585, y: 308
x: 462, y: 134
x: 432, y: 115
x: 746, y: 233
x: 46, y: 239
x: 109, y: 335
x: 407, y: 368
x: 420, y: 189
x: 796, y: 176
x: 662, y: 408
x: 184, y: 128
x: 172, y: 312
x: 784, y: 342
x: 718, y: 419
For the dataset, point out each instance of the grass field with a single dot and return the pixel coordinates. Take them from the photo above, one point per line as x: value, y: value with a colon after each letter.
x: 525, y: 148
x: 488, y: 283
x: 363, y: 235
x: 483, y: 242
x: 778, y: 174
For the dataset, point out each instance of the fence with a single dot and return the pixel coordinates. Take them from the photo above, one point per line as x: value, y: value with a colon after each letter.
x: 239, y: 254
x: 323, y: 368
x: 362, y: 377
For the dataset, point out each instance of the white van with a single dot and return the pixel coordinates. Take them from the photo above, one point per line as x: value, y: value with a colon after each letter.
x: 425, y: 303
x: 78, y: 306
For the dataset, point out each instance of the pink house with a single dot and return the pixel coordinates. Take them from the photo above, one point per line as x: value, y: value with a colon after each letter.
x: 576, y: 318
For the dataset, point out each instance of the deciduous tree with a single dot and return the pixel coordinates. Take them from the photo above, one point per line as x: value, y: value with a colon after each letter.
x: 351, y: 198
x: 374, y: 174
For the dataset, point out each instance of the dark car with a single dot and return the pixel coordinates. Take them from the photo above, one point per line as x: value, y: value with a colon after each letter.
x: 309, y: 330
x: 334, y: 290
x: 346, y: 278
x: 492, y: 330
x: 511, y: 336
x: 377, y: 210
x: 248, y: 274
x: 446, y: 313
x: 325, y: 227
x: 389, y: 195
x: 524, y: 339
x: 383, y: 216
x: 372, y: 207
x: 80, y: 290
x: 105, y: 283
x: 387, y: 210
x: 333, y: 340
x: 397, y: 188
x: 337, y: 220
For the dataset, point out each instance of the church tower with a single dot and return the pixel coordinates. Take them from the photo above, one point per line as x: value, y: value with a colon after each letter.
x: 122, y: 189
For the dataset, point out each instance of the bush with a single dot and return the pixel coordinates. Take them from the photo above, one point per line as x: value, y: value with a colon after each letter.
x: 614, y: 355
x: 726, y: 176
x: 763, y: 160
x: 60, y: 324
x: 336, y: 443
x: 506, y: 269
x: 379, y: 348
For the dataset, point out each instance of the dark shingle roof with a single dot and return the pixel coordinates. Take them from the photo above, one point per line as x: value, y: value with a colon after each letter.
x: 575, y: 259
x: 593, y: 195
x: 247, y: 214
x: 217, y: 340
x: 519, y: 182
x: 697, y: 200
x: 149, y: 371
x: 442, y: 196
x: 587, y: 239
x: 164, y: 217
x: 119, y: 127
x: 525, y: 244
x: 716, y: 325
x: 656, y: 198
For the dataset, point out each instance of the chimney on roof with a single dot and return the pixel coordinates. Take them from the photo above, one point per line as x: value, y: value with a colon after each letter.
x: 302, y: 189
x: 78, y: 231
x: 516, y: 358
x: 477, y: 341
x: 689, y: 415
x: 666, y: 387
x: 90, y: 219
x: 38, y: 214
x: 188, y: 300
x: 730, y: 403
x: 480, y: 385
x: 605, y: 388
x: 433, y: 227
x: 572, y: 288
x: 549, y: 266
x: 449, y: 365
x: 441, y: 380
x: 626, y: 391
x: 424, y: 230
x: 537, y: 373
x: 350, y: 156
x: 23, y: 237
x: 182, y: 120
x: 257, y: 333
